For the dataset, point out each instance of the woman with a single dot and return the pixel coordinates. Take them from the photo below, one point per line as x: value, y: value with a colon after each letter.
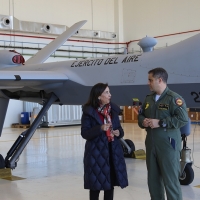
x: 104, y: 165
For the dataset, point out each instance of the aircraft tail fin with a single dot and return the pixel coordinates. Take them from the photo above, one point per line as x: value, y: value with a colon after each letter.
x: 44, y: 53
x: 3, y: 108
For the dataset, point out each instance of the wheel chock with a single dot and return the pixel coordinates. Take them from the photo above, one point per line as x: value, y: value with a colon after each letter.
x: 7, y: 175
x: 4, y: 173
x: 139, y: 154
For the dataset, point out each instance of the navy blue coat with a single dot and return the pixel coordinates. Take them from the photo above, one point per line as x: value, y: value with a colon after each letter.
x: 96, y: 157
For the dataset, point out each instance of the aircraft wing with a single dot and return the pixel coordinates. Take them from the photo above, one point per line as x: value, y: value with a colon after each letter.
x: 44, y: 53
x: 19, y: 79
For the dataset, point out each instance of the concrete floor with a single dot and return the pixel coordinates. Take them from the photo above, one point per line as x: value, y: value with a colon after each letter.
x: 52, y: 165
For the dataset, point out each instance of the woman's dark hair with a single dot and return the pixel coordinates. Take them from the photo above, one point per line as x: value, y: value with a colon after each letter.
x: 95, y: 92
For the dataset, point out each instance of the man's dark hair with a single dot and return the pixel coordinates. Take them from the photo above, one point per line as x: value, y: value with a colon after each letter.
x: 95, y: 92
x: 159, y: 73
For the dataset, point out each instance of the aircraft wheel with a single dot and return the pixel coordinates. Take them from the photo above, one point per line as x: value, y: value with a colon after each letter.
x: 188, y: 175
x: 125, y: 150
x: 2, y: 162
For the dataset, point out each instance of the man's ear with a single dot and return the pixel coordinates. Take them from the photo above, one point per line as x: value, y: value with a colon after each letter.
x: 160, y: 80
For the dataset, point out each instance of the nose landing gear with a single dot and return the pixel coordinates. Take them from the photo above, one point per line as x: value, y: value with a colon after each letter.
x: 128, y: 147
x: 187, y: 173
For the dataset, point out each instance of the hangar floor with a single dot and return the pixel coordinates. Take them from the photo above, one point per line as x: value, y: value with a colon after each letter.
x: 52, y: 165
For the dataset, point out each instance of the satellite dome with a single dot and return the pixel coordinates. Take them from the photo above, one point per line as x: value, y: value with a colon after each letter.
x: 147, y: 43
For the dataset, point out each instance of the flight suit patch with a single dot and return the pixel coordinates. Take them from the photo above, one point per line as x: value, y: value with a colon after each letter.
x: 163, y: 106
x: 179, y: 102
x: 147, y: 105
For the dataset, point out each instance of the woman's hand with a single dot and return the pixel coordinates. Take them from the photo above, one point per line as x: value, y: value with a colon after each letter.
x: 105, y: 127
x: 116, y: 132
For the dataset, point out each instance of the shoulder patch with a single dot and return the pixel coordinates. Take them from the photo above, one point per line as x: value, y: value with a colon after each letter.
x: 179, y: 102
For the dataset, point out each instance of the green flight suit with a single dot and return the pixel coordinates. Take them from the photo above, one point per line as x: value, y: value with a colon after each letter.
x: 163, y: 144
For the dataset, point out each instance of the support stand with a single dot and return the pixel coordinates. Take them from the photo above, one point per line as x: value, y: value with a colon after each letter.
x: 21, y: 142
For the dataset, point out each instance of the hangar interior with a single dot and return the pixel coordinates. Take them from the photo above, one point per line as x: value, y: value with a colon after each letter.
x: 51, y: 165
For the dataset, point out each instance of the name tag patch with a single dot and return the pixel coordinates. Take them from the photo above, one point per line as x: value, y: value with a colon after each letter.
x: 163, y: 106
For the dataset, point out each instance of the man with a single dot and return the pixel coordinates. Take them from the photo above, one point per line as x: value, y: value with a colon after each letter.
x: 162, y: 115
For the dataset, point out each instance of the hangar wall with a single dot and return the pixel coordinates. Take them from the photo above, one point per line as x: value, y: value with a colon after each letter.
x: 64, y: 12
x: 131, y: 19
x: 157, y: 17
x: 13, y: 113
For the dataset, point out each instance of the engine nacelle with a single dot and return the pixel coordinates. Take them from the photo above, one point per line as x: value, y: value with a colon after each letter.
x: 10, y: 58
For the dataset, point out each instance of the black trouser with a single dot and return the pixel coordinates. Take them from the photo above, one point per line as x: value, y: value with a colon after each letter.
x: 108, y: 194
